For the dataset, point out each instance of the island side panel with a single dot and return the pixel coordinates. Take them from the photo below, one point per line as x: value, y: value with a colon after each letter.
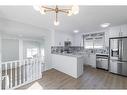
x: 65, y: 64
x: 80, y: 63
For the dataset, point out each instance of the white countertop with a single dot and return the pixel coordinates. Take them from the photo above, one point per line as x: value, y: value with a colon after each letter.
x: 70, y: 54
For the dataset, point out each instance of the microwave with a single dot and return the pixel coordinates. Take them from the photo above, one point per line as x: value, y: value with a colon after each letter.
x: 67, y: 43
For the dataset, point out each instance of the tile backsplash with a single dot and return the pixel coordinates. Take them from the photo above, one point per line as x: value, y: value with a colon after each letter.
x: 75, y: 49
x: 62, y: 49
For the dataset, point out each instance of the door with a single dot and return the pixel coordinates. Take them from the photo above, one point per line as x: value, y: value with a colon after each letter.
x: 118, y: 67
x: 113, y: 66
x: 122, y: 68
x: 114, y: 49
x: 124, y: 50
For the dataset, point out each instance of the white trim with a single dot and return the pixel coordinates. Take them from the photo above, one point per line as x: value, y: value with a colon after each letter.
x: 20, y: 49
x: 32, y: 73
x: 0, y: 64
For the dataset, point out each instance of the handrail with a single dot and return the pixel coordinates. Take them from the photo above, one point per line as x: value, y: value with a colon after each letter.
x: 20, y: 72
x: 19, y: 60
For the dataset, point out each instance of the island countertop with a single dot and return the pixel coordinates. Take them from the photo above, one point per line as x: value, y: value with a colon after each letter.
x: 70, y: 54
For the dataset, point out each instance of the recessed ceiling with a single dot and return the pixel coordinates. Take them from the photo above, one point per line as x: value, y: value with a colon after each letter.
x: 88, y: 19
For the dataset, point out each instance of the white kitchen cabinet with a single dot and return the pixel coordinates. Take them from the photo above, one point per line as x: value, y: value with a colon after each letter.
x: 115, y: 31
x: 107, y: 36
x: 90, y: 59
x: 124, y: 30
x: 86, y: 59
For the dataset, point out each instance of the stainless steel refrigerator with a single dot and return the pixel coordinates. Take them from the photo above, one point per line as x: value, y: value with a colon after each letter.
x: 118, y: 55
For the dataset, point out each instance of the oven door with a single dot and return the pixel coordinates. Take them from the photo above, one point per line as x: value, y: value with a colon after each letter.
x: 102, y: 63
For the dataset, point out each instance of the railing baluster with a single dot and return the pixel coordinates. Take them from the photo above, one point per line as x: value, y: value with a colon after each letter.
x: 36, y: 68
x: 31, y: 69
x: 24, y: 71
x: 11, y: 75
x: 0, y: 76
x: 16, y: 72
x: 33, y: 73
x: 5, y: 75
x: 20, y: 72
x: 40, y: 62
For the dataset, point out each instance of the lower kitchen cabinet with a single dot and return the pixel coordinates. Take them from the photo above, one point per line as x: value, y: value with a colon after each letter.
x: 90, y: 59
x: 124, y: 30
x: 113, y: 66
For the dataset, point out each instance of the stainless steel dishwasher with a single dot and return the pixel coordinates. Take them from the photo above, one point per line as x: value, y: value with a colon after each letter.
x: 102, y: 61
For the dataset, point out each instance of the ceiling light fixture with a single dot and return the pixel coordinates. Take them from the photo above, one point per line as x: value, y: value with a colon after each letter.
x: 105, y: 25
x: 69, y: 11
x: 76, y: 31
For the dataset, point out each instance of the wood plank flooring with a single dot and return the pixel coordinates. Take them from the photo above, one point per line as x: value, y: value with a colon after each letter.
x: 91, y: 79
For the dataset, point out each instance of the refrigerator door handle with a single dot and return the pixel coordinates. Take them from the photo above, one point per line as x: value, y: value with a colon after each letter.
x: 122, y: 52
x: 120, y: 49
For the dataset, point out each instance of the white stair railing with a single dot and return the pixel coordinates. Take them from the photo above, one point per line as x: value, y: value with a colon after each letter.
x: 17, y: 73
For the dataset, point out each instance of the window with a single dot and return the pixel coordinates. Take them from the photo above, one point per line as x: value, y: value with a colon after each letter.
x: 94, y: 41
x: 89, y: 43
x: 42, y: 52
x: 32, y: 52
x: 98, y: 43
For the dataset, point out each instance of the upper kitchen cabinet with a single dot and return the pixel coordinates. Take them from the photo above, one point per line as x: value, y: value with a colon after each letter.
x: 78, y: 40
x: 124, y: 30
x: 107, y: 36
x: 115, y: 31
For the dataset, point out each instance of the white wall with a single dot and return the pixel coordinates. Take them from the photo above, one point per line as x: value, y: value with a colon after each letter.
x: 0, y: 49
x: 11, y: 29
x: 30, y: 44
x: 10, y: 50
x: 60, y: 37
x: 78, y: 41
x: 0, y: 60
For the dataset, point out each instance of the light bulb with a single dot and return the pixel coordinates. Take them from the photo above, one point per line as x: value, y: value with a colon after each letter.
x: 56, y: 23
x: 104, y: 25
x: 75, y: 31
x: 37, y: 8
x: 70, y: 13
x: 75, y: 9
x: 42, y: 11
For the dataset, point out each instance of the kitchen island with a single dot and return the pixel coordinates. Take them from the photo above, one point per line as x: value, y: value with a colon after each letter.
x: 71, y: 64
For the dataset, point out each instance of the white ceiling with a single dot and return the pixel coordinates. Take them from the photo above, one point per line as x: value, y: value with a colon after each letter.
x: 88, y: 19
